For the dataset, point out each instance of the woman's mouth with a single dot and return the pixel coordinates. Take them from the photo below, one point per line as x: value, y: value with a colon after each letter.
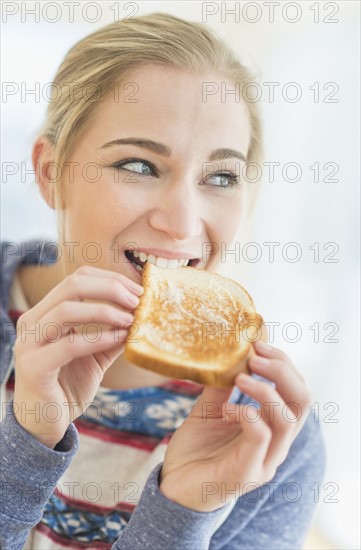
x: 139, y: 259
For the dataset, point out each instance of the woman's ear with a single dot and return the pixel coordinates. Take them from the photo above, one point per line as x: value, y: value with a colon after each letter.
x: 46, y: 172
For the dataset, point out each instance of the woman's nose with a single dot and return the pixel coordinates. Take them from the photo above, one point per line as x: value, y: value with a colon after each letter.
x: 178, y: 214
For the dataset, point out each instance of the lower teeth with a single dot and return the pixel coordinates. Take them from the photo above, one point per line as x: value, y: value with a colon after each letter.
x: 137, y: 267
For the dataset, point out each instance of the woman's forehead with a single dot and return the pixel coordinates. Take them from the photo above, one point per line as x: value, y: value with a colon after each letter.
x: 171, y: 104
x: 159, y: 82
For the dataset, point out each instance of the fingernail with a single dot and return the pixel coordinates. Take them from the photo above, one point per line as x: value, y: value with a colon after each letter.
x: 133, y: 300
x: 262, y: 346
x: 258, y: 361
x: 245, y: 378
x: 123, y: 325
x: 137, y: 289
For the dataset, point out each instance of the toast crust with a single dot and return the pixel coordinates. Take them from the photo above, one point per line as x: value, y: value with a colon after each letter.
x: 193, y: 324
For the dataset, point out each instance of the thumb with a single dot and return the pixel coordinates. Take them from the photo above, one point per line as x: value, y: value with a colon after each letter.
x: 210, y: 402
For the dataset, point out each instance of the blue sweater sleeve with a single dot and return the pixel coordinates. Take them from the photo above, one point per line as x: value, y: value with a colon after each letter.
x: 29, y: 473
x: 275, y: 515
x: 278, y: 514
x: 158, y: 522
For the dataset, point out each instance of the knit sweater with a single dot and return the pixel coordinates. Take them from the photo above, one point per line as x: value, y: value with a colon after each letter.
x: 100, y: 488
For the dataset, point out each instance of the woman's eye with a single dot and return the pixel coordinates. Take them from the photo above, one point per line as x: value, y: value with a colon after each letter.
x: 138, y: 166
x: 224, y: 180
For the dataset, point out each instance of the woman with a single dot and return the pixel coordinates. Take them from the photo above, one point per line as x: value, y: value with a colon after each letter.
x: 142, y: 147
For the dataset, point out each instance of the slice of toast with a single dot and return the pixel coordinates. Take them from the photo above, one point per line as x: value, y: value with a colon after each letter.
x: 193, y: 324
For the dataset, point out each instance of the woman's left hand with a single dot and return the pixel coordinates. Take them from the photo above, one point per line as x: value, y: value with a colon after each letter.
x: 223, y: 449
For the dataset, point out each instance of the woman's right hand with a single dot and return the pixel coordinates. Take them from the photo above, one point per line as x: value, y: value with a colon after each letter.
x: 58, y: 369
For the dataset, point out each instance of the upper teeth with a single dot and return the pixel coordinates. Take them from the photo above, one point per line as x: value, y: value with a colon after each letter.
x: 159, y: 261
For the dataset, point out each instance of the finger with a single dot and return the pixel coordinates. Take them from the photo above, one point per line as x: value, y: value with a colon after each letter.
x: 292, y: 390
x: 107, y: 274
x: 266, y: 350
x: 267, y: 397
x: 287, y: 379
x: 256, y: 434
x: 272, y: 411
x: 48, y: 360
x: 107, y: 357
x: 78, y: 288
x: 209, y: 403
x: 57, y: 322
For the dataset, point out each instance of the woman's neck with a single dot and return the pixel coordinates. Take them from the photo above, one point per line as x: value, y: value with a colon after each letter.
x: 122, y: 375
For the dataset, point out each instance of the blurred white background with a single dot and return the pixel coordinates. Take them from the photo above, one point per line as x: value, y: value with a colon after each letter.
x: 313, y: 44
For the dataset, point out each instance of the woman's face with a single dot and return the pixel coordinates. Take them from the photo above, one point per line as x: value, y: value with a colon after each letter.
x: 168, y: 198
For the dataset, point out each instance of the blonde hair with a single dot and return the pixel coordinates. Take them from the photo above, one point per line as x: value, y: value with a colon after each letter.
x: 106, y: 56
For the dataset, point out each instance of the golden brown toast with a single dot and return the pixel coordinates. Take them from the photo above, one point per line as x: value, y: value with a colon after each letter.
x: 193, y: 324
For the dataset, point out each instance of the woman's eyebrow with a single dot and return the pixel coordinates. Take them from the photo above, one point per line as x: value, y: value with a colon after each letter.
x: 226, y: 153
x: 163, y: 150
x: 154, y: 146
